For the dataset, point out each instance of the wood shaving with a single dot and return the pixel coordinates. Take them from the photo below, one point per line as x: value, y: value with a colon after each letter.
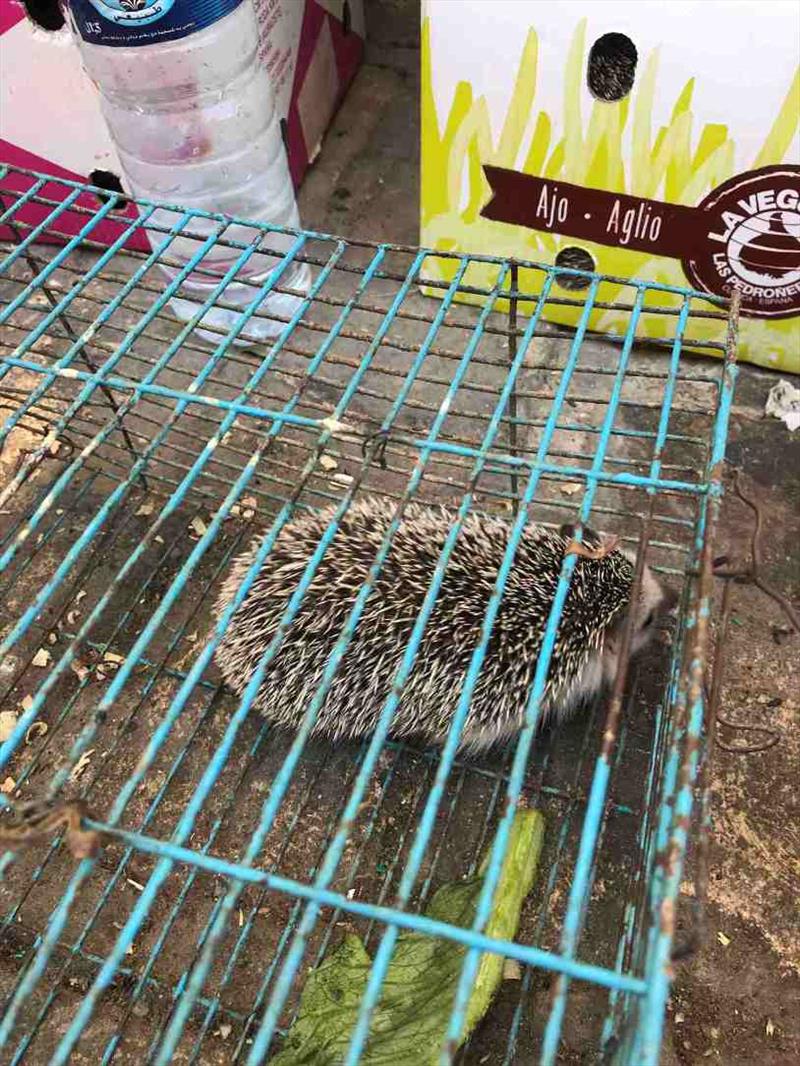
x: 145, y: 509
x: 26, y: 702
x: 343, y: 479
x: 72, y: 617
x: 8, y: 785
x: 52, y: 638
x: 113, y: 657
x: 36, y: 729
x: 41, y: 658
x: 569, y: 488
x: 332, y: 425
x: 81, y: 765
x: 224, y: 1031
x: 724, y: 940
x: 80, y: 595
x: 327, y: 462
x: 135, y: 884
x: 512, y: 971
x: 769, y: 1028
x: 198, y: 526
x: 8, y: 723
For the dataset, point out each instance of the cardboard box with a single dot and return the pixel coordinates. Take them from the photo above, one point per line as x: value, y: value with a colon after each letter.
x: 50, y: 118
x: 651, y: 141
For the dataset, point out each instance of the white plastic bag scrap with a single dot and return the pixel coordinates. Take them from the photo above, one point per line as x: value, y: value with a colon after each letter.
x: 783, y: 402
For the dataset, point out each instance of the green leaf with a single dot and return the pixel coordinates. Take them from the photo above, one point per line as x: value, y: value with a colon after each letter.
x: 410, y: 1021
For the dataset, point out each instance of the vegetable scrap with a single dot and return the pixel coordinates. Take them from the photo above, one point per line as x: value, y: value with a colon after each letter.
x: 245, y: 508
x: 80, y: 671
x: 410, y: 1021
x: 584, y: 551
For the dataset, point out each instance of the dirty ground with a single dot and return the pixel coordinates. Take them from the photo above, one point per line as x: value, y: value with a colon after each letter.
x: 738, y: 1002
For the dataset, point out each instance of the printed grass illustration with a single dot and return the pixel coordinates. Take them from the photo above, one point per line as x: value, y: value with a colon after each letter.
x: 675, y: 162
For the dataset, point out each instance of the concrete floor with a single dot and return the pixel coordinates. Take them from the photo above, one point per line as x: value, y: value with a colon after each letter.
x: 738, y: 1002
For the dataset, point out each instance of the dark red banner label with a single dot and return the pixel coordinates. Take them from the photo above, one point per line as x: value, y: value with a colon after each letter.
x: 745, y: 234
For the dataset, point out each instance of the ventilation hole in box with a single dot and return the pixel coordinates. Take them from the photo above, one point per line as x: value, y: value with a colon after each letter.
x: 46, y: 14
x: 347, y: 21
x: 612, y: 67
x: 106, y: 179
x: 574, y: 258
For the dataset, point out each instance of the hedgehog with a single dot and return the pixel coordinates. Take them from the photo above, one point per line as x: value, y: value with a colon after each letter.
x: 583, y: 662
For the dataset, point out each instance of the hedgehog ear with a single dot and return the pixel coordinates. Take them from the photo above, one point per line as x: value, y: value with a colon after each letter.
x: 590, y: 537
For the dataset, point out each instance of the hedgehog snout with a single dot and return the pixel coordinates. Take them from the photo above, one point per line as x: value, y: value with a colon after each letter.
x: 652, y: 605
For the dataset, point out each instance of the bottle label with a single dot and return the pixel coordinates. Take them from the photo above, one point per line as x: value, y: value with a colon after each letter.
x: 128, y: 23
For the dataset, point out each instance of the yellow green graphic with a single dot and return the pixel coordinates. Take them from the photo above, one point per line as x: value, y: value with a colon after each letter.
x: 671, y: 163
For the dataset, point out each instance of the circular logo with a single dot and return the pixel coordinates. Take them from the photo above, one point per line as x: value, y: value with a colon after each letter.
x: 127, y: 12
x: 750, y: 241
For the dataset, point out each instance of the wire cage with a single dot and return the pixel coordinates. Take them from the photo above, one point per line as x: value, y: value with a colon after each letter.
x: 138, y: 459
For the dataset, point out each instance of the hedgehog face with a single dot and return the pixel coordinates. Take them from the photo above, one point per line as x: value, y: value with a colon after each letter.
x: 652, y: 604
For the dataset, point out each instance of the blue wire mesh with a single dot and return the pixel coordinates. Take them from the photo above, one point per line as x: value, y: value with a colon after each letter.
x: 138, y: 460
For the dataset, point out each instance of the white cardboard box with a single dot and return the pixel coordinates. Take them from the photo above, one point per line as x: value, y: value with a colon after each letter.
x: 699, y: 160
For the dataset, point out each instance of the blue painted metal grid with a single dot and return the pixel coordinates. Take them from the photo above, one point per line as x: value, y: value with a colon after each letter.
x: 143, y: 459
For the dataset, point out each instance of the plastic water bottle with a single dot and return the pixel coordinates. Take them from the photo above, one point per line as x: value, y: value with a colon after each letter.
x: 192, y: 113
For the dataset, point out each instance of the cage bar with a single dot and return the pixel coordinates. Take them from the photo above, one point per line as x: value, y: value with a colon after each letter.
x: 137, y: 458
